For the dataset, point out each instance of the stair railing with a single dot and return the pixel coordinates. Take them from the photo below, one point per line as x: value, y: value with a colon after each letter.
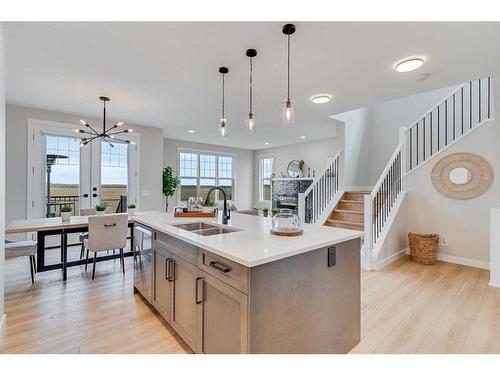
x: 458, y: 114
x: 461, y: 112
x: 321, y: 192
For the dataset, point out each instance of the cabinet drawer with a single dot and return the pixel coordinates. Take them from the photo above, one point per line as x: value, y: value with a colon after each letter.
x: 177, y: 247
x: 224, y: 269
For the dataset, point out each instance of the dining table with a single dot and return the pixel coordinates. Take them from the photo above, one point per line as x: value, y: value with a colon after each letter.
x: 55, y: 226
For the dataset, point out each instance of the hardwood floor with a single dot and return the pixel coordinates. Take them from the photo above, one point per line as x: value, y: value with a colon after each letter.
x: 406, y: 308
x: 81, y: 315
x: 445, y: 308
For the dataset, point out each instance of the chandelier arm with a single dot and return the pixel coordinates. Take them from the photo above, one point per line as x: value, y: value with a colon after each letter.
x: 105, y: 137
x: 90, y: 139
x: 119, y: 132
x: 91, y: 128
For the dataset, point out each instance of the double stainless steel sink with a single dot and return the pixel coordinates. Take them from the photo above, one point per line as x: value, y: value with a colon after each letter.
x: 205, y: 229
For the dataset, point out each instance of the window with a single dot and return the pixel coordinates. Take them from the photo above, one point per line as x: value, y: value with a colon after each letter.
x: 114, y: 164
x: 67, y: 170
x: 199, y: 171
x: 265, y: 172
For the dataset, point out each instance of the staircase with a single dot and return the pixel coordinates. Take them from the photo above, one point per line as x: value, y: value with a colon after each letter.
x: 456, y: 116
x: 349, y: 212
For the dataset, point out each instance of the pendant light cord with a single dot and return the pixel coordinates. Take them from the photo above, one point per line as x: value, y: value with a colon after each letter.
x: 104, y: 118
x: 288, y: 77
x: 251, y: 73
x: 223, y: 95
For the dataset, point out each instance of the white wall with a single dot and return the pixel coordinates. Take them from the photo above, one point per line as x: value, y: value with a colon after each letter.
x: 464, y: 223
x: 151, y: 158
x: 244, y: 179
x: 2, y: 174
x: 388, y: 117
x: 372, y: 134
x: 357, y: 131
x: 313, y: 153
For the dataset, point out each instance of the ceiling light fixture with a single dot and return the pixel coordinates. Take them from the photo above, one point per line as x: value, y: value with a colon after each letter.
x: 321, y: 98
x: 266, y: 143
x: 191, y: 131
x: 288, y: 110
x: 223, y: 121
x: 409, y: 64
x: 250, y: 121
x: 106, y: 134
x: 302, y: 137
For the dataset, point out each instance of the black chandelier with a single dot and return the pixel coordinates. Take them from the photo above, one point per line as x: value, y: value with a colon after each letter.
x: 108, y: 135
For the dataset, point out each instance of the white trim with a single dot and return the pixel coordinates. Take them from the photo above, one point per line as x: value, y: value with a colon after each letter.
x: 463, y: 261
x: 329, y: 209
x: 38, y: 127
x: 388, y: 224
x: 3, y: 319
x: 390, y: 259
x: 478, y: 126
x: 260, y: 157
x: 494, y: 285
x: 216, y: 178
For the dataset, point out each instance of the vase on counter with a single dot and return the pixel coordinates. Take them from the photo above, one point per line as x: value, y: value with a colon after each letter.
x: 66, y: 216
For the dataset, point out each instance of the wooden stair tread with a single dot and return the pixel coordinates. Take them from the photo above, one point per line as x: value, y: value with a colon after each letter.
x: 337, y: 221
x: 347, y: 211
x: 350, y: 201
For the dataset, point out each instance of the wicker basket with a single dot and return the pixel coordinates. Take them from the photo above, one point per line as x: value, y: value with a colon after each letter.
x: 423, y: 247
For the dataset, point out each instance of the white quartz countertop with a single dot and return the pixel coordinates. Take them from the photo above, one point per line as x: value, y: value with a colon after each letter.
x: 252, y: 245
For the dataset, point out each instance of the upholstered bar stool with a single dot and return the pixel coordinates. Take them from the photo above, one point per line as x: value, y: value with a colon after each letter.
x: 108, y: 232
x: 15, y: 249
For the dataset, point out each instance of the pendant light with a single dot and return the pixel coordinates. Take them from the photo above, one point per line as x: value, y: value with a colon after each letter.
x: 223, y: 121
x: 288, y: 115
x: 250, y: 120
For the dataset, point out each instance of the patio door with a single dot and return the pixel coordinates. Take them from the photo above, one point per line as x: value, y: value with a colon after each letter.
x: 65, y: 174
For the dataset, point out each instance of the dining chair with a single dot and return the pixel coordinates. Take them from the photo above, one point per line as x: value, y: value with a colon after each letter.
x: 22, y: 248
x: 85, y: 235
x: 107, y: 232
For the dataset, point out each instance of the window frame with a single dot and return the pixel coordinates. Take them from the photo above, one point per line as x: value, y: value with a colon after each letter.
x: 261, y: 159
x: 198, y: 177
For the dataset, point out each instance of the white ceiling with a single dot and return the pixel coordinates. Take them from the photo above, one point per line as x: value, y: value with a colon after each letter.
x: 166, y: 74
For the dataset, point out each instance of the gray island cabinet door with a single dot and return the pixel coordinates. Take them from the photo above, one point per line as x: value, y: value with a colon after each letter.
x: 183, y: 318
x: 162, y: 294
x: 221, y: 317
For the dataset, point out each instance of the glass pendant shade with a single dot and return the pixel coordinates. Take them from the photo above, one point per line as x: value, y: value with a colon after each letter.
x: 250, y: 123
x: 223, y: 127
x: 288, y: 113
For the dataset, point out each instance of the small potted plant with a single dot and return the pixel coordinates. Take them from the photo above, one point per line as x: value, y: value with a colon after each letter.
x: 265, y: 211
x: 131, y: 209
x: 274, y: 211
x: 301, y: 167
x: 101, y: 208
x: 65, y: 213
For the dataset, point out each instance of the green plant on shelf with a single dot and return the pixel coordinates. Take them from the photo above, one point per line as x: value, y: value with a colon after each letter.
x: 131, y: 205
x: 66, y: 209
x: 101, y: 206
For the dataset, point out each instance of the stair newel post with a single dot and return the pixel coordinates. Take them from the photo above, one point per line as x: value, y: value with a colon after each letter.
x: 402, y: 142
x: 302, y: 207
x: 368, y: 242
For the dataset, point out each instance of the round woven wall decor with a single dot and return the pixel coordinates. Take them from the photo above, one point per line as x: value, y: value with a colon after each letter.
x: 479, y: 179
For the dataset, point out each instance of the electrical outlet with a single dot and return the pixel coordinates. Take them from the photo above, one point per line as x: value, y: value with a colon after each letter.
x: 444, y: 241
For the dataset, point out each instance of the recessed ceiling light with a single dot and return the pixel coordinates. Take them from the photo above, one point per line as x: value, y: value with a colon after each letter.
x: 191, y: 131
x: 409, y: 64
x: 321, y: 98
x: 302, y: 137
x: 266, y: 143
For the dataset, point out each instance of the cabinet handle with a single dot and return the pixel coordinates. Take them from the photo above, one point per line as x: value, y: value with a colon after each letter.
x: 219, y: 266
x: 198, y: 289
x: 167, y: 268
x: 171, y: 271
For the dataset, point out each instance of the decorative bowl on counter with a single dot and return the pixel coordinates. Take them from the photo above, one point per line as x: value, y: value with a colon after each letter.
x: 286, y: 223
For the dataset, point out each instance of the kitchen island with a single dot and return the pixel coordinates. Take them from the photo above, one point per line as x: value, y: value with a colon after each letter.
x: 237, y: 289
